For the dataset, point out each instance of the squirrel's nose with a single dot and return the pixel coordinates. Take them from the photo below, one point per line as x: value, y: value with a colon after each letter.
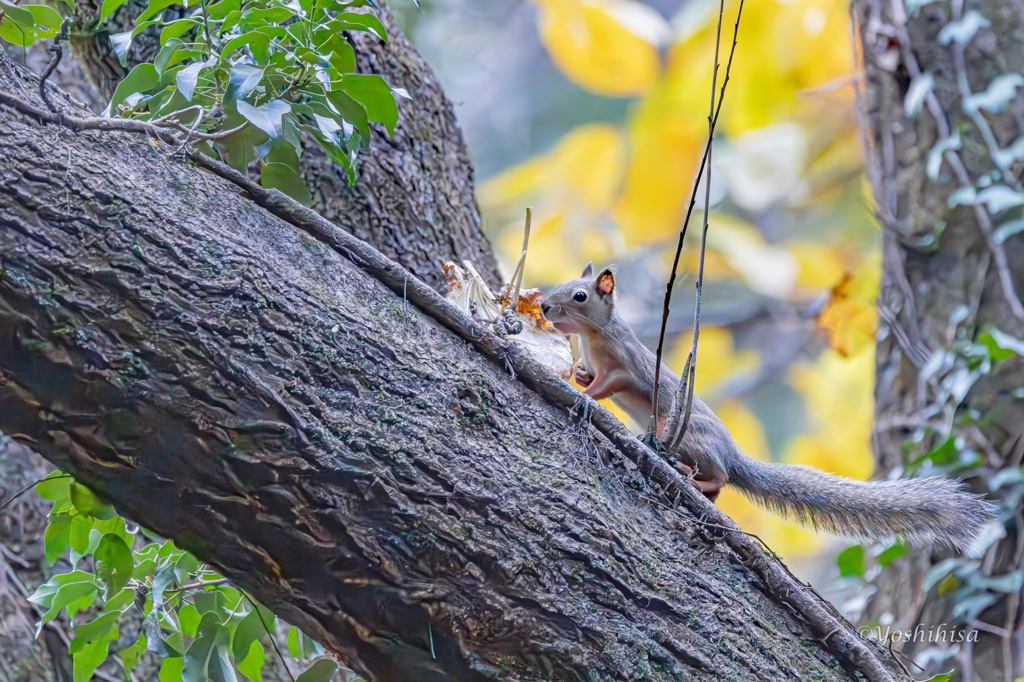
x: 545, y: 307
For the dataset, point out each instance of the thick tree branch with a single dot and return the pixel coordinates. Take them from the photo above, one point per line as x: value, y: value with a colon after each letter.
x: 242, y: 386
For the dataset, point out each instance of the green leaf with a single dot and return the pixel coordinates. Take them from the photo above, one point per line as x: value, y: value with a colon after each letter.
x: 25, y: 24
x: 18, y: 27
x: 55, y: 539
x: 375, y: 95
x: 207, y: 658
x: 362, y: 22
x: 248, y: 630
x: 251, y: 665
x: 56, y: 487
x: 90, y: 632
x: 338, y: 51
x: 185, y: 566
x: 156, y: 642
x: 943, y: 454
x: 120, y: 601
x: 177, y: 28
x: 188, y: 78
x: 1001, y: 345
x: 293, y: 642
x: 164, y: 577
x: 208, y: 601
x: 44, y: 594
x: 254, y: 18
x: 109, y: 7
x: 942, y: 677
x: 221, y: 9
x: 163, y: 57
x: 893, y: 552
x: 337, y: 133
x: 47, y: 20
x: 189, y: 618
x: 140, y: 27
x: 131, y: 654
x: 351, y: 111
x: 321, y: 671
x: 79, y: 536
x: 145, y: 562
x: 140, y: 79
x: 154, y: 8
x: 266, y: 117
x: 120, y: 42
x: 114, y: 563
x: 73, y: 597
x: 85, y: 500
x: 284, y: 178
x: 851, y: 562
x: 239, y: 150
x: 116, y: 526
x: 172, y: 669
x: 242, y: 80
x: 258, y: 43
x: 91, y: 655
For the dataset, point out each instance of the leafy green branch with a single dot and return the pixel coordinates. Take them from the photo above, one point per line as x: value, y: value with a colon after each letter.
x: 245, y: 80
x: 195, y: 625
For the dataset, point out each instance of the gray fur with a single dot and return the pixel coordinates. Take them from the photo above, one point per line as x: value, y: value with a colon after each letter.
x: 931, y: 510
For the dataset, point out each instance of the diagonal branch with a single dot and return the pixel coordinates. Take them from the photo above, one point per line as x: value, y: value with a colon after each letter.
x: 259, y: 456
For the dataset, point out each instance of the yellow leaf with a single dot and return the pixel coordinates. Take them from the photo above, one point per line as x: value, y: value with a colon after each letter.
x: 585, y: 168
x: 851, y: 317
x: 821, y: 266
x: 798, y: 47
x: 838, y: 397
x: 768, y: 269
x: 570, y: 188
x: 746, y: 429
x: 717, y: 359
x: 606, y: 46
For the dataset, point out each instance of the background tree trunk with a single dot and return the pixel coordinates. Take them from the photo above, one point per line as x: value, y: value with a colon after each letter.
x: 232, y: 382
x: 945, y: 282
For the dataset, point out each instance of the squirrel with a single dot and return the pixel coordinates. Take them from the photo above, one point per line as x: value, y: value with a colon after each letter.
x: 616, y: 365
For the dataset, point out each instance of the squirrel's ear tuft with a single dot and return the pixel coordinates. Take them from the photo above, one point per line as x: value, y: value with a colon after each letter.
x: 605, y: 283
x: 588, y: 271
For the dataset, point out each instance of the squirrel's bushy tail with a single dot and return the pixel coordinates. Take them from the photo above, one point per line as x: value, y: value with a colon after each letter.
x: 923, y: 510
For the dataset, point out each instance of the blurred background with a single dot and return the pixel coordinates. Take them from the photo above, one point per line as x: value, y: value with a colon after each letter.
x: 595, y: 112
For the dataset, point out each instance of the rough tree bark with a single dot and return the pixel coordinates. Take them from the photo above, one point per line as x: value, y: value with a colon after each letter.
x: 233, y: 382
x: 945, y: 281
x: 413, y: 198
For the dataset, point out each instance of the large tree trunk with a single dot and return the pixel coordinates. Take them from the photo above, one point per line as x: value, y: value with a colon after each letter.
x: 946, y: 280
x: 413, y: 200
x: 247, y: 388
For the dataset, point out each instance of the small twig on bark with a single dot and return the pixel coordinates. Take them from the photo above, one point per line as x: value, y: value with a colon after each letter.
x: 57, y: 51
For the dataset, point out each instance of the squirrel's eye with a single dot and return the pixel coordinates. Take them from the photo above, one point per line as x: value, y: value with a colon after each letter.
x: 580, y: 296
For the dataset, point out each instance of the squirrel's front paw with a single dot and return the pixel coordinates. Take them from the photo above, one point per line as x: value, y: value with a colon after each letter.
x: 582, y: 376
